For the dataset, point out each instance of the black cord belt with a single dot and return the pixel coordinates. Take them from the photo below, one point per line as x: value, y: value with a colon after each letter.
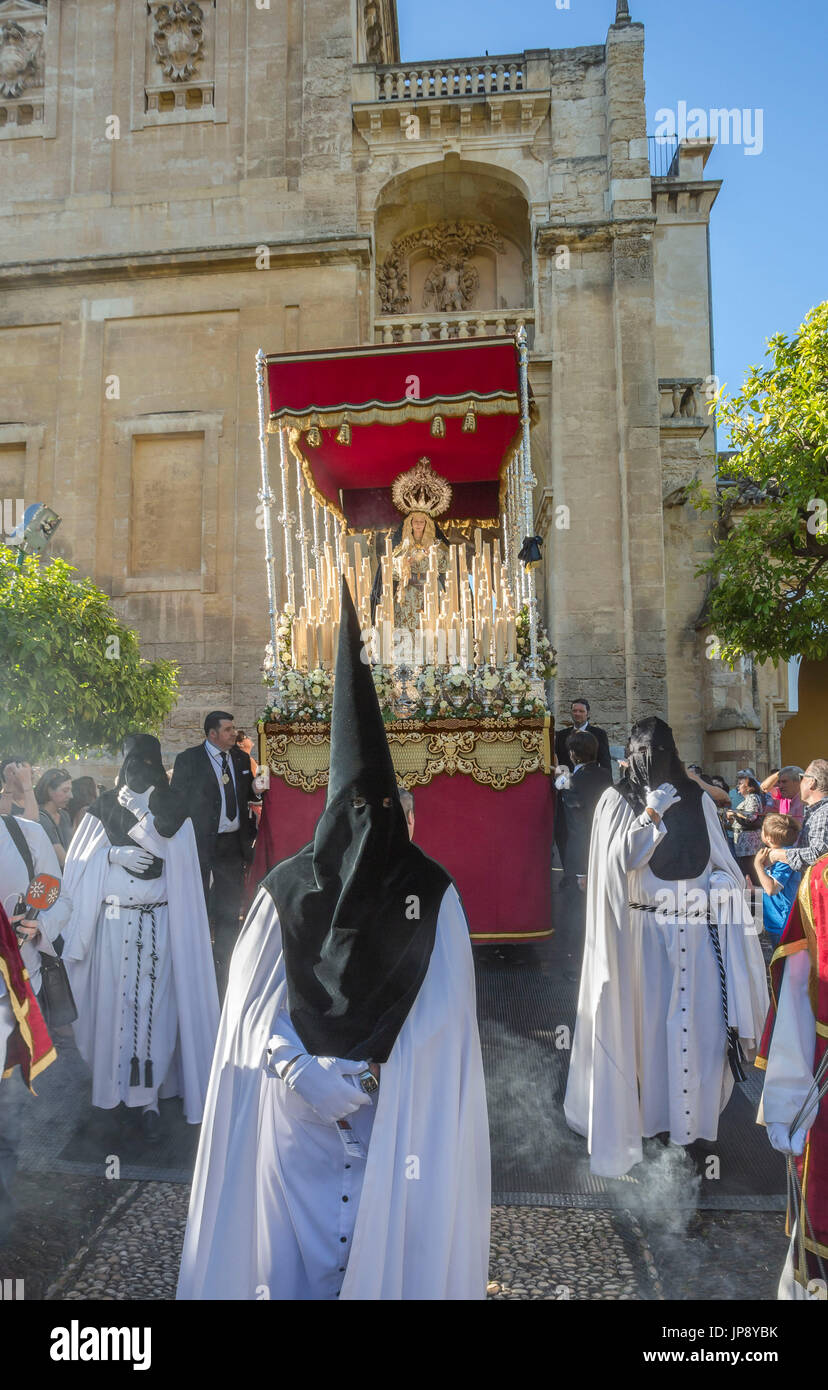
x: 735, y: 1055
x: 144, y: 910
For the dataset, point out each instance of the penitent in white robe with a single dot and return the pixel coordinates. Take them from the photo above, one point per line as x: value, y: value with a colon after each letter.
x: 788, y: 1079
x: 649, y: 1051
x: 112, y: 994
x: 279, y: 1209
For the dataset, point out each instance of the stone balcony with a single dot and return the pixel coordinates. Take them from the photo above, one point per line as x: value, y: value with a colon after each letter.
x: 427, y: 327
x: 417, y: 101
x: 684, y: 406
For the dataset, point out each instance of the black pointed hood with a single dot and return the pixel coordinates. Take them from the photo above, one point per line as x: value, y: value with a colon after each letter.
x: 358, y: 906
x: 141, y: 769
x: 653, y: 759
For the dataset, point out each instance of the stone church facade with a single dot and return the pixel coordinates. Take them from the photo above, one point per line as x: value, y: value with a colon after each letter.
x: 186, y: 182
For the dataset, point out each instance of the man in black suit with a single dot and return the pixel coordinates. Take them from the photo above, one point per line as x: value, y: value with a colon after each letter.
x: 216, y: 779
x: 588, y: 782
x: 581, y: 724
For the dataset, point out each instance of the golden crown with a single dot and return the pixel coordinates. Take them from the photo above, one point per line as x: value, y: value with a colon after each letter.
x: 421, y: 490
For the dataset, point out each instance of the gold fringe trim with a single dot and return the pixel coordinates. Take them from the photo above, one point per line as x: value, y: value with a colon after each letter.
x: 396, y: 413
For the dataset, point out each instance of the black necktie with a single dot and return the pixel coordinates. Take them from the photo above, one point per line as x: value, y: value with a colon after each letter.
x: 230, y: 807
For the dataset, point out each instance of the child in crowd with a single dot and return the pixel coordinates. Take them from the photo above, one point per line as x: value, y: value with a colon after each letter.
x: 779, y: 882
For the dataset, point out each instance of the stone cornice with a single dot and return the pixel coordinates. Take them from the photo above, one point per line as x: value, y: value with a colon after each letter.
x: 590, y: 235
x: 209, y: 260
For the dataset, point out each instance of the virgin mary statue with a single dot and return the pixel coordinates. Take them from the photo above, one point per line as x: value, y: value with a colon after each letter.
x: 422, y: 495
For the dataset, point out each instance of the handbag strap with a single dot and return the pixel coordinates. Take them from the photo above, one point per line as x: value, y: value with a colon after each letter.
x: 21, y: 844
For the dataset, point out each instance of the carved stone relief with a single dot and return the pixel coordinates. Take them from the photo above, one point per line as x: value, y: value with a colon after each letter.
x: 452, y: 283
x: 178, y: 39
x: 21, y: 59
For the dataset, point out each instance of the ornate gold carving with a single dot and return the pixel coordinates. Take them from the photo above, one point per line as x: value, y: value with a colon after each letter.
x: 179, y: 38
x: 494, y: 753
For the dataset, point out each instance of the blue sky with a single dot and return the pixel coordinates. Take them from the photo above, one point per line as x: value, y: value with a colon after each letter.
x: 769, y: 227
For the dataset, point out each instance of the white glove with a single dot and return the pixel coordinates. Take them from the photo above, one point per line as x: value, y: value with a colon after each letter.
x: 563, y: 779
x: 321, y: 1081
x: 136, y: 802
x: 130, y: 857
x: 784, y: 1142
x: 662, y: 798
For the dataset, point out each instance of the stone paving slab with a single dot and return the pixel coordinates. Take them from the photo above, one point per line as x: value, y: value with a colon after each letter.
x: 538, y: 1254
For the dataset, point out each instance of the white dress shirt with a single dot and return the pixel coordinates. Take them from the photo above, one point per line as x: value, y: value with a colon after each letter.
x: 215, y: 758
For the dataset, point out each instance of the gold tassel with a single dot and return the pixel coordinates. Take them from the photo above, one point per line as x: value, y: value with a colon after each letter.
x: 470, y: 419
x: 438, y: 427
x: 343, y: 434
x: 314, y: 434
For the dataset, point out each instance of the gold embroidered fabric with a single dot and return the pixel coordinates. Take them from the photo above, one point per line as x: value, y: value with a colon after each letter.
x: 495, y: 753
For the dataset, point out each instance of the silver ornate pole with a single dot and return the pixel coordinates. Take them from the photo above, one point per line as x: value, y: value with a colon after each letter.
x: 302, y: 535
x: 267, y: 499
x: 317, y: 547
x: 528, y: 493
x: 287, y: 518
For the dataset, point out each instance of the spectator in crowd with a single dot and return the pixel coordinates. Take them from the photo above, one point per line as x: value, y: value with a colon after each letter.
x: 215, y: 780
x: 778, y: 881
x: 53, y: 794
x: 708, y: 784
x: 813, y: 841
x: 581, y: 724
x: 84, y: 792
x: 244, y: 743
x: 784, y: 787
x: 723, y: 806
x: 735, y: 795
x: 587, y: 784
x: 747, y: 824
x: 17, y: 797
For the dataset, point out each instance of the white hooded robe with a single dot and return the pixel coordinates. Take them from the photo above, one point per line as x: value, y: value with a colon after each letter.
x: 100, y: 953
x: 649, y: 1051
x: 279, y: 1210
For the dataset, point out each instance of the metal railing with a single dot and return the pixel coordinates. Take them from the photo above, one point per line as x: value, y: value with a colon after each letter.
x: 663, y: 153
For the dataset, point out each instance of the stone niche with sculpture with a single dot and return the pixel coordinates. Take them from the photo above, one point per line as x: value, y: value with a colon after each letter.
x: 461, y: 270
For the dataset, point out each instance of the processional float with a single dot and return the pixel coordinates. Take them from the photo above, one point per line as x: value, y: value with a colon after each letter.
x: 407, y: 469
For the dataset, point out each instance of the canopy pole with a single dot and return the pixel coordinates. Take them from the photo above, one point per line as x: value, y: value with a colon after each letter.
x: 302, y: 535
x: 287, y: 519
x: 267, y: 499
x: 528, y: 498
x: 317, y: 548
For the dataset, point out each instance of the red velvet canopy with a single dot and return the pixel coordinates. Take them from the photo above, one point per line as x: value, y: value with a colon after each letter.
x: 389, y: 395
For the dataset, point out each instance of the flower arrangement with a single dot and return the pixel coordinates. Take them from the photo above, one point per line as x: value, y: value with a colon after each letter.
x: 547, y: 655
x: 458, y: 685
x: 384, y: 685
x: 520, y: 700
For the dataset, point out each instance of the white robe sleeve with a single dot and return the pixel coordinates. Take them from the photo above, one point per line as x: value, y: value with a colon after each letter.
x: 747, y: 982
x: 789, y: 1074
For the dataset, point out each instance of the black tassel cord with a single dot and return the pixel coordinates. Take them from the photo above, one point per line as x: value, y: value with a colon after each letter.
x: 147, y: 910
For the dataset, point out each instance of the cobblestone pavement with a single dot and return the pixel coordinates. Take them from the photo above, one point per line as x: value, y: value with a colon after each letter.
x: 538, y: 1253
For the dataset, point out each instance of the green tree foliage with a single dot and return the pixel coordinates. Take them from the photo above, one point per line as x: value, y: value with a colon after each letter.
x: 769, y: 597
x: 72, y: 680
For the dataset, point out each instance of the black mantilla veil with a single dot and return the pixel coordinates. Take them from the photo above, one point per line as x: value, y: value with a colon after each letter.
x: 653, y: 759
x: 141, y: 769
x: 358, y: 906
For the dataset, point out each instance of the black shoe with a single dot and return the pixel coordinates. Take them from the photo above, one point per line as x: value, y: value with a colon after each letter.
x: 151, y: 1126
